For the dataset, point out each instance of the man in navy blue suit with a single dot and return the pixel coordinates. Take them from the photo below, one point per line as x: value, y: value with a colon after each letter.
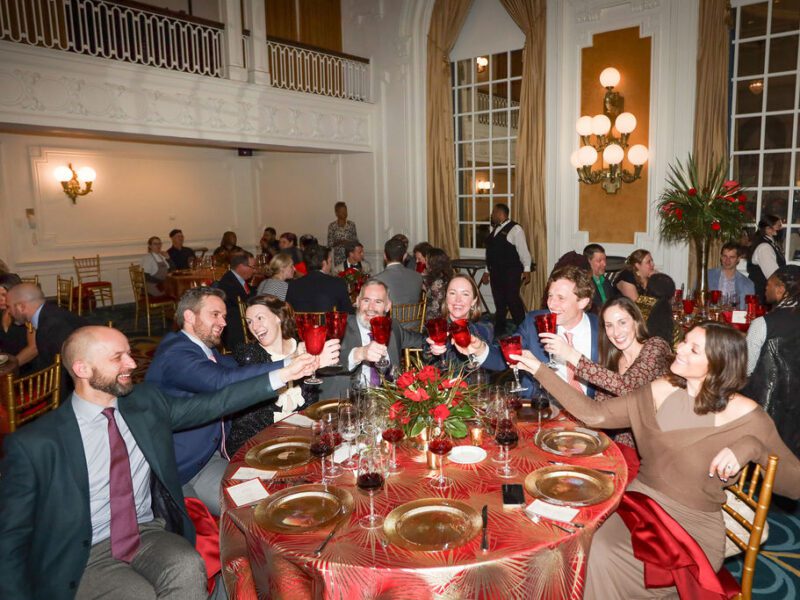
x: 187, y: 363
x: 569, y: 295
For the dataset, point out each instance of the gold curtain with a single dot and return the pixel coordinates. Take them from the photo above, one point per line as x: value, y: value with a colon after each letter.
x: 711, y: 102
x: 529, y: 200
x: 446, y: 21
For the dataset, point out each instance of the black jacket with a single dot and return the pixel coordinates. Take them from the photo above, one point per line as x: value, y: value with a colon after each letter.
x: 319, y: 292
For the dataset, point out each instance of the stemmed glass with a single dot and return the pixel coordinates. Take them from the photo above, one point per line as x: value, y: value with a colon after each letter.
x: 348, y: 429
x: 370, y: 480
x: 392, y: 433
x: 540, y: 402
x: 459, y: 330
x: 334, y: 439
x: 440, y: 444
x: 437, y: 331
x: 381, y: 329
x: 336, y: 325
x: 512, y: 345
x: 506, y: 436
x: 320, y: 447
x: 314, y: 336
x: 546, y: 323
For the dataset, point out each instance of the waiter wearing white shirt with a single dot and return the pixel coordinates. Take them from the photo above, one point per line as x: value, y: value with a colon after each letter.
x: 508, y: 266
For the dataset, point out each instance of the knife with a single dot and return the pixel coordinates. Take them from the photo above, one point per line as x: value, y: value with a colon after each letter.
x: 485, y: 519
x: 324, y: 543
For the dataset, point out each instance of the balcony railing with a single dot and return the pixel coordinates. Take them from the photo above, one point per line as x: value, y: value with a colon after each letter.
x: 301, y: 68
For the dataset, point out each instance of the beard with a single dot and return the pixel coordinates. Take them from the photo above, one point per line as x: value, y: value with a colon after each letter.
x: 206, y: 335
x: 110, y: 385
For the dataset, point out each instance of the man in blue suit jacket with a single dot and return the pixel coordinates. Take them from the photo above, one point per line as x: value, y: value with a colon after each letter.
x: 56, y: 489
x: 187, y: 363
x: 569, y: 295
x: 727, y: 279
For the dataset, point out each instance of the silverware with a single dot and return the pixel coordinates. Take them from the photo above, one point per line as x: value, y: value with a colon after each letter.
x: 538, y: 519
x: 605, y: 471
x: 327, y: 539
x: 485, y: 519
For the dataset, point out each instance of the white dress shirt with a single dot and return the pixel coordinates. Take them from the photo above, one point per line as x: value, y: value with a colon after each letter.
x: 581, y: 341
x: 93, y: 426
x: 764, y: 257
x: 366, y: 338
x: 152, y: 261
x: 517, y: 237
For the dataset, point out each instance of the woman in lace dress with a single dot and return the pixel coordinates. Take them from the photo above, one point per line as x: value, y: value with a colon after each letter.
x: 340, y: 232
x: 438, y: 272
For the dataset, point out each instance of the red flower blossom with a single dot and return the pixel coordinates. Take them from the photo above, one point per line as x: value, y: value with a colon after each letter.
x: 716, y: 226
x: 692, y: 192
x: 678, y: 214
x: 405, y: 380
x: 730, y: 184
x: 741, y: 208
x: 396, y: 409
x: 742, y: 198
x: 667, y: 207
x: 417, y: 395
x: 451, y: 383
x: 440, y: 413
x: 428, y: 373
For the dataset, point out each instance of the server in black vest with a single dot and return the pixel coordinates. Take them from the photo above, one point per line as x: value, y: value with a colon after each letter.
x: 508, y: 265
x: 765, y: 256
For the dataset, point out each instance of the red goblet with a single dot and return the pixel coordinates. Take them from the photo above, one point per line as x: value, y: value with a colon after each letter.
x: 546, y: 323
x: 751, y: 299
x: 512, y: 345
x: 314, y: 336
x: 715, y: 296
x: 462, y: 336
x: 381, y: 329
x: 437, y: 330
x: 678, y: 295
x: 303, y: 321
x: 688, y: 306
x: 336, y: 324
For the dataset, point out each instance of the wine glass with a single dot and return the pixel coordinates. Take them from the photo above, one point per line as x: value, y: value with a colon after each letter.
x: 348, y: 429
x: 513, y: 345
x: 370, y: 480
x: 540, y: 402
x: 714, y: 297
x: 320, y: 447
x: 511, y: 397
x: 546, y: 323
x: 506, y: 436
x: 437, y: 330
x: 392, y: 433
x: 314, y: 336
x: 462, y: 336
x: 381, y: 329
x: 440, y: 444
x: 334, y: 439
x: 336, y: 325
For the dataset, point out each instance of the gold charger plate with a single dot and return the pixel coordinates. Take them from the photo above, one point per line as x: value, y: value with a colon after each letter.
x: 569, y: 485
x: 319, y: 409
x: 280, y: 453
x: 432, y: 524
x: 575, y: 441
x: 304, y: 508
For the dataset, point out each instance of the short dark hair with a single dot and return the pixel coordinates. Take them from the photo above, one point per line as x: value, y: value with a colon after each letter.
x: 314, y: 255
x: 308, y: 240
x: 731, y: 246
x: 289, y: 237
x: 394, y: 250
x: 174, y: 232
x: 339, y: 205
x: 240, y: 258
x: 271, y: 230
x: 503, y: 207
x: 789, y: 276
x: 9, y: 280
x: 423, y: 248
x: 192, y: 299
x: 591, y: 249
x: 351, y: 245
x: 584, y: 288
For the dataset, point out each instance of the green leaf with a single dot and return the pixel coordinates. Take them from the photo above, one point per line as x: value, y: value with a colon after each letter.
x: 417, y: 427
x: 456, y: 428
x: 462, y: 410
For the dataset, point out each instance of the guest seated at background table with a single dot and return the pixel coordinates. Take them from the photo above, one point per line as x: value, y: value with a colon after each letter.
x: 604, y: 290
x: 288, y: 245
x: 632, y: 280
x: 180, y: 255
x: 421, y: 256
x: 727, y: 279
x: 227, y: 247
x: 405, y: 285
x: 438, y: 272
x: 319, y: 291
x: 15, y: 338
x: 694, y: 433
x: 461, y: 302
x: 569, y: 295
x: 271, y: 321
x: 307, y: 240
x: 269, y: 243
x: 354, y: 259
x: 235, y: 283
x: 659, y: 319
x: 359, y: 351
x: 279, y: 273
x: 187, y: 363
x: 157, y: 265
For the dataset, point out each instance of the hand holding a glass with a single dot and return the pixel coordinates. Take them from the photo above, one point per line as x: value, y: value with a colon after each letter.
x: 437, y: 335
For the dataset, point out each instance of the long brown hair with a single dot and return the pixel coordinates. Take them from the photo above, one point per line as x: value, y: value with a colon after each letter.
x: 282, y: 310
x: 636, y: 257
x: 474, y: 311
x: 609, y: 353
x: 726, y: 351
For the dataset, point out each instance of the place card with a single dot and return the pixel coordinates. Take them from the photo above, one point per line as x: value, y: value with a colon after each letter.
x: 251, y: 473
x: 540, y: 508
x: 248, y: 492
x: 739, y: 316
x: 345, y: 451
x: 298, y: 420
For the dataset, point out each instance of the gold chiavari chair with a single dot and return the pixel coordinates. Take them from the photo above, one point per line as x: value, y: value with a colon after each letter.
x: 32, y: 395
x: 411, y: 316
x: 146, y: 303
x: 89, y: 279
x: 34, y: 280
x: 64, y: 295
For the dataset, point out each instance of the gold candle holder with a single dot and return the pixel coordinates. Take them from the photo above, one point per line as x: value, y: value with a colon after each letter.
x: 476, y: 434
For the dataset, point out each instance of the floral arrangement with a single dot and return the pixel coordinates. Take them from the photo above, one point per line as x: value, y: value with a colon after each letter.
x: 423, y: 395
x: 697, y: 210
x: 354, y: 278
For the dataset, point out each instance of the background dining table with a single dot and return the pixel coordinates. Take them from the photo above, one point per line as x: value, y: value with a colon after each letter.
x: 524, y: 560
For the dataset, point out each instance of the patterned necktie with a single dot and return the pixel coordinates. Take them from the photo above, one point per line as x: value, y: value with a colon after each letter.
x: 124, y: 526
x: 571, y: 368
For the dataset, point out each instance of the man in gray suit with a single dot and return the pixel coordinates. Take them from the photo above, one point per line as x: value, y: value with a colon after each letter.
x: 405, y: 285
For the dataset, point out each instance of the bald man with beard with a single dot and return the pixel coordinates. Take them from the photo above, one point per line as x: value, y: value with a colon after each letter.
x: 90, y: 498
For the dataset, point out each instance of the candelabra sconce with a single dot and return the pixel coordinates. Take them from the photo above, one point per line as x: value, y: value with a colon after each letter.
x: 75, y: 183
x: 484, y: 187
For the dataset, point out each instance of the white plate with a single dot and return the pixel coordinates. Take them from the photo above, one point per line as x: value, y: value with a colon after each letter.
x: 3, y: 359
x: 467, y: 455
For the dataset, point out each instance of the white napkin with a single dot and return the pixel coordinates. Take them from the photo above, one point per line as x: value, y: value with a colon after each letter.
x: 298, y: 420
x: 345, y: 451
x: 290, y: 400
x: 739, y: 316
x: 251, y: 473
x: 551, y: 511
x: 248, y: 492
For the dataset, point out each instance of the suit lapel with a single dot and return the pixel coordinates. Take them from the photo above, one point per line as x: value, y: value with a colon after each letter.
x: 140, y: 429
x: 70, y: 435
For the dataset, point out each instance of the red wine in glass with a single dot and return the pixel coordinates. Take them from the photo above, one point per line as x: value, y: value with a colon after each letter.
x: 715, y: 296
x: 314, y: 337
x: 440, y: 446
x: 393, y: 434
x: 462, y: 336
x: 370, y: 482
x: 547, y: 323
x: 381, y: 329
x: 506, y: 436
x: 336, y: 325
x: 320, y: 448
x: 437, y: 330
x: 512, y: 345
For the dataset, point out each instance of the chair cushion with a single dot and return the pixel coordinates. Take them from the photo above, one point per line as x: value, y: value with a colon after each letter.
x: 94, y: 284
x: 743, y: 534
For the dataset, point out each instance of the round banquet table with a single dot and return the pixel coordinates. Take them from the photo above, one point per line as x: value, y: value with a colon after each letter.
x: 178, y: 282
x: 524, y: 560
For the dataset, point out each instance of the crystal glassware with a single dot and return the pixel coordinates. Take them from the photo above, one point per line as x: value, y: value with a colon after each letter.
x: 462, y: 336
x: 349, y: 428
x: 546, y: 323
x: 314, y: 336
x: 512, y: 345
x: 506, y: 436
x: 392, y: 432
x: 320, y: 447
x: 336, y: 325
x: 440, y: 444
x: 370, y: 480
x: 381, y: 329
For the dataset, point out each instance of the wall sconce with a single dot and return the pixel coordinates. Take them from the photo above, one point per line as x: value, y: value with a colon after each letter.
x: 756, y: 87
x: 484, y: 187
x: 71, y: 181
x: 482, y: 62
x: 605, y: 142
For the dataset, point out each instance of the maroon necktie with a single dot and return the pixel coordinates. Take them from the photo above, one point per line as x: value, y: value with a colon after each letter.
x: 124, y: 526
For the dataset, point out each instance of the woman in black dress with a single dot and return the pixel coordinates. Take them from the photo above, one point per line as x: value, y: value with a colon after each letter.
x: 14, y: 339
x: 632, y: 280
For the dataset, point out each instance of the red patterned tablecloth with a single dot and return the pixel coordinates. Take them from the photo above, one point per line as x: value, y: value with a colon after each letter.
x: 525, y: 559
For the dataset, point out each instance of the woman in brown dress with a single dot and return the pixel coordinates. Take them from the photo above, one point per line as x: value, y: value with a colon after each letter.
x: 694, y: 433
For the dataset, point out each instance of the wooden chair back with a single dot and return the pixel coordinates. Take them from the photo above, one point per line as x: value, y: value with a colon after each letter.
x: 34, y: 280
x: 411, y: 357
x: 144, y: 303
x: 64, y: 296
x: 754, y: 488
x: 242, y: 310
x: 90, y: 282
x: 411, y: 314
x: 32, y: 395
x: 87, y: 269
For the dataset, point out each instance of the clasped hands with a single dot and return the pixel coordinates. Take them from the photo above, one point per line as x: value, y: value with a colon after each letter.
x: 304, y: 364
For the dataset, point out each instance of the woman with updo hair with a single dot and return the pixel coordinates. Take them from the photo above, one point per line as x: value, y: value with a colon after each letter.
x: 632, y: 280
x: 279, y: 272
